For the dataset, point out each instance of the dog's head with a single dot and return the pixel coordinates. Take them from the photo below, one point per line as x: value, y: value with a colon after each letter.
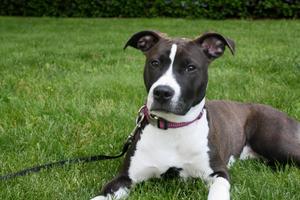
x: 175, y: 73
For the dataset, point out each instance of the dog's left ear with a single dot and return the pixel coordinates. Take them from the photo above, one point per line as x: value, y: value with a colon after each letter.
x: 213, y: 44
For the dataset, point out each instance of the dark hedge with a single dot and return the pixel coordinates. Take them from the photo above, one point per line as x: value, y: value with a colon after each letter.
x: 218, y: 9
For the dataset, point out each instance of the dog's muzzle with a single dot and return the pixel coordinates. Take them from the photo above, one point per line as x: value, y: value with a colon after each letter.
x: 163, y: 94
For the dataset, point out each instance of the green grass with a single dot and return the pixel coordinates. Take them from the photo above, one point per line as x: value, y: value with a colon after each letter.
x: 68, y: 89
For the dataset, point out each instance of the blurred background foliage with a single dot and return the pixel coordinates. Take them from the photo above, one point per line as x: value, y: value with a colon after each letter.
x: 218, y: 9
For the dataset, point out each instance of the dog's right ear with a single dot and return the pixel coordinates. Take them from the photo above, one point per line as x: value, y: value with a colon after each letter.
x: 143, y: 40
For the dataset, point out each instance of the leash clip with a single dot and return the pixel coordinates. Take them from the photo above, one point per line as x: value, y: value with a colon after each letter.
x: 138, y: 123
x: 141, y: 116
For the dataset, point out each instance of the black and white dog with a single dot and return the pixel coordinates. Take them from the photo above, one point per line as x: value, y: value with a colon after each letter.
x: 189, y: 136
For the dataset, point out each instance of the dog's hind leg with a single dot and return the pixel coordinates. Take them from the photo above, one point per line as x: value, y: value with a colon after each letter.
x: 275, y: 136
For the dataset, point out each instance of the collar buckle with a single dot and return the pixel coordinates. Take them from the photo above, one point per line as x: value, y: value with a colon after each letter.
x: 160, y: 122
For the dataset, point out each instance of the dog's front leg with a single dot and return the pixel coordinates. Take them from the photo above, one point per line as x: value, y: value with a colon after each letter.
x: 118, y: 188
x: 219, y: 189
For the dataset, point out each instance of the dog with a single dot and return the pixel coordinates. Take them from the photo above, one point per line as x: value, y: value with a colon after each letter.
x: 187, y: 136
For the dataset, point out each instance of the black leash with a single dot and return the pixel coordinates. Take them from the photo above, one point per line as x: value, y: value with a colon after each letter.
x: 66, y: 162
x: 138, y: 127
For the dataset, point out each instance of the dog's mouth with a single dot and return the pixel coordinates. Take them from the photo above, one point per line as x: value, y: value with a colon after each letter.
x: 177, y: 109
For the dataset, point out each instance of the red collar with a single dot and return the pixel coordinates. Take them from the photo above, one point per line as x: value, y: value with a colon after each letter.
x: 163, y: 123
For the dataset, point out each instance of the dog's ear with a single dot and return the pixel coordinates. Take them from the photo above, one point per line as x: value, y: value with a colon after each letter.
x: 143, y: 40
x: 213, y: 44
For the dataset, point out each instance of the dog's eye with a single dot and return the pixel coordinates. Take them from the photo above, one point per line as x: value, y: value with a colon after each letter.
x: 154, y: 63
x: 190, y: 68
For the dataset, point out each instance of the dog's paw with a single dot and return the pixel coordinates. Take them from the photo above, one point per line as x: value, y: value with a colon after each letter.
x: 108, y: 197
x: 122, y: 193
x: 219, y: 190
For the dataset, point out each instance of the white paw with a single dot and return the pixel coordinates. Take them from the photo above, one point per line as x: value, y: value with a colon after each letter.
x: 102, y: 198
x: 122, y: 193
x: 219, y: 190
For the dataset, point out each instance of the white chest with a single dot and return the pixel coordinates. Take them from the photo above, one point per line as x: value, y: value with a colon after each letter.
x: 185, y: 148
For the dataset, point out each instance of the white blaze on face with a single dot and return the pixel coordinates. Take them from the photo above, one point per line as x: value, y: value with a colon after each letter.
x: 167, y: 79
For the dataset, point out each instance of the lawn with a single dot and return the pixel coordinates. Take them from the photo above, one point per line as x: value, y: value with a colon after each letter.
x: 68, y: 89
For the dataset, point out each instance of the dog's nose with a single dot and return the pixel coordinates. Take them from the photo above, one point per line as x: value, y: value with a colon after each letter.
x: 163, y: 93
